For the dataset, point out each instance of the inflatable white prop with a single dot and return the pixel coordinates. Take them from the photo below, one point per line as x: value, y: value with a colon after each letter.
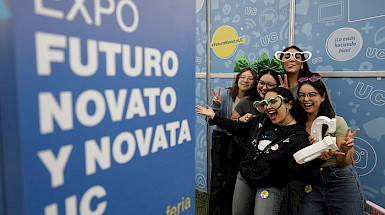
x: 313, y: 151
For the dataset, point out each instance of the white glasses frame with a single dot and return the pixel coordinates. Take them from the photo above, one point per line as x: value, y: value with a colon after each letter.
x: 292, y: 55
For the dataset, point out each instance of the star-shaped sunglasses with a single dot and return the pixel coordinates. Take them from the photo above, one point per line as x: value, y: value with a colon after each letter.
x: 299, y: 56
x: 275, y: 103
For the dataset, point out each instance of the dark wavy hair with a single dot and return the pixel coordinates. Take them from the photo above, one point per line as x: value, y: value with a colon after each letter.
x: 254, y: 95
x: 234, y: 89
x: 285, y: 93
x: 305, y: 71
x: 288, y: 97
x: 326, y: 107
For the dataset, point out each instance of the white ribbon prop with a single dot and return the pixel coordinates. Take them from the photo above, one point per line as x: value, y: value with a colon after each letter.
x: 313, y: 151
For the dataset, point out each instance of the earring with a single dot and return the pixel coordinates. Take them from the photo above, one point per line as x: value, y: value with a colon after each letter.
x: 301, y: 66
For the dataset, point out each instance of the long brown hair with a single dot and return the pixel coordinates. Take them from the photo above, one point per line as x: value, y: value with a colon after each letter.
x: 235, y: 89
x: 326, y: 107
x: 305, y: 71
x: 254, y: 95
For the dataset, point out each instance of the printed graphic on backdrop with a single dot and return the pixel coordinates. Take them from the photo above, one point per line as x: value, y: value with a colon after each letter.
x: 357, y: 13
x: 340, y: 32
x: 263, y: 24
x: 201, y: 138
x: 344, y: 44
x: 104, y: 114
x: 225, y: 41
x: 357, y: 29
x: 200, y: 98
x: 361, y: 101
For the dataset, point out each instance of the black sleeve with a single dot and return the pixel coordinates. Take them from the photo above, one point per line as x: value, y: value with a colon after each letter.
x: 234, y: 127
x: 301, y: 171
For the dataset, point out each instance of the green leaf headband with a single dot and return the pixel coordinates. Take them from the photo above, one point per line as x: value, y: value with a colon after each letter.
x: 264, y: 64
x: 242, y: 63
x: 261, y: 64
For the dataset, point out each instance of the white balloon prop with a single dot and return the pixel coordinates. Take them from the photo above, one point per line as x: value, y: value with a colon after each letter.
x: 313, y: 151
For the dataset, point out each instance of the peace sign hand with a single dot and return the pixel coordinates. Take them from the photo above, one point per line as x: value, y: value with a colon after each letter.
x: 283, y: 83
x: 348, y: 142
x: 217, y: 97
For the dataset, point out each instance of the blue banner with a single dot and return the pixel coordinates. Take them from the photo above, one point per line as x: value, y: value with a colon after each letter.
x: 103, y: 112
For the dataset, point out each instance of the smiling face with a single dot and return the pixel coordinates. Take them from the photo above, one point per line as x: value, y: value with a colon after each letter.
x: 246, y: 81
x: 277, y: 112
x: 310, y: 99
x: 266, y: 82
x: 291, y: 66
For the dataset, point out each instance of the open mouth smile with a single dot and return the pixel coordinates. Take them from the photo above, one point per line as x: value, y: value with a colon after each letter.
x: 272, y: 114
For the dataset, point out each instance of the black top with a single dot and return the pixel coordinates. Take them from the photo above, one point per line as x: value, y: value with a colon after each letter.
x: 271, y: 166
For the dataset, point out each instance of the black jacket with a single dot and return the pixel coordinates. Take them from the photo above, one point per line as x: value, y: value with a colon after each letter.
x: 272, y: 166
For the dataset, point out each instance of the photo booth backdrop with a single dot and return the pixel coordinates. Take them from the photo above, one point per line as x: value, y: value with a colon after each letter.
x: 200, y: 96
x: 249, y: 27
x: 346, y: 39
x: 93, y: 107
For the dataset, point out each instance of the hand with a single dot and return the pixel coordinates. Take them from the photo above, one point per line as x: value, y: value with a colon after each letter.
x: 348, y: 142
x: 208, y: 111
x: 311, y: 140
x: 246, y: 118
x: 325, y: 155
x: 283, y: 83
x: 217, y: 97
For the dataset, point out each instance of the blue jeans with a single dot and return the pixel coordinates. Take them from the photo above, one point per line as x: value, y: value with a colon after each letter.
x: 334, y: 191
x: 264, y: 201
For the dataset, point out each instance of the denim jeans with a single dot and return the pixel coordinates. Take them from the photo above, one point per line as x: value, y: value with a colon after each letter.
x: 264, y: 201
x: 334, y: 191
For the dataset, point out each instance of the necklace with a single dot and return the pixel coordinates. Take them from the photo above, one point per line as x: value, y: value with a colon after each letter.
x: 289, y: 122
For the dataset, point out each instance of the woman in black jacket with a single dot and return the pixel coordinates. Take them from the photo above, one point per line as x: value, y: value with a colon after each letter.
x: 271, y: 141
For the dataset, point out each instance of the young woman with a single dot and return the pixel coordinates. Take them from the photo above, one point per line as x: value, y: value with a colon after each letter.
x: 268, y: 77
x: 294, y: 61
x: 225, y: 155
x: 271, y: 140
x: 334, y: 188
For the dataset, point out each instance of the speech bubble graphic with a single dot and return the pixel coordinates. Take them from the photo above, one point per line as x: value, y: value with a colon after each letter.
x: 374, y: 128
x: 344, y: 44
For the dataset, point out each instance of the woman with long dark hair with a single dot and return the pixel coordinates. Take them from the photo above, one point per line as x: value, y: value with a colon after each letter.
x: 225, y: 155
x: 270, y: 75
x: 294, y: 61
x: 271, y: 139
x: 334, y: 188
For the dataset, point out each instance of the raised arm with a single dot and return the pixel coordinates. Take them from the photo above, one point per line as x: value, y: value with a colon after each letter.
x: 232, y: 126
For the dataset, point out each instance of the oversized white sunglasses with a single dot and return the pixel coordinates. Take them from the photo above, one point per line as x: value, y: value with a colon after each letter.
x: 299, y: 56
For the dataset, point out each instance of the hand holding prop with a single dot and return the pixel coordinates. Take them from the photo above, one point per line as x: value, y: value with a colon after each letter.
x: 313, y: 151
